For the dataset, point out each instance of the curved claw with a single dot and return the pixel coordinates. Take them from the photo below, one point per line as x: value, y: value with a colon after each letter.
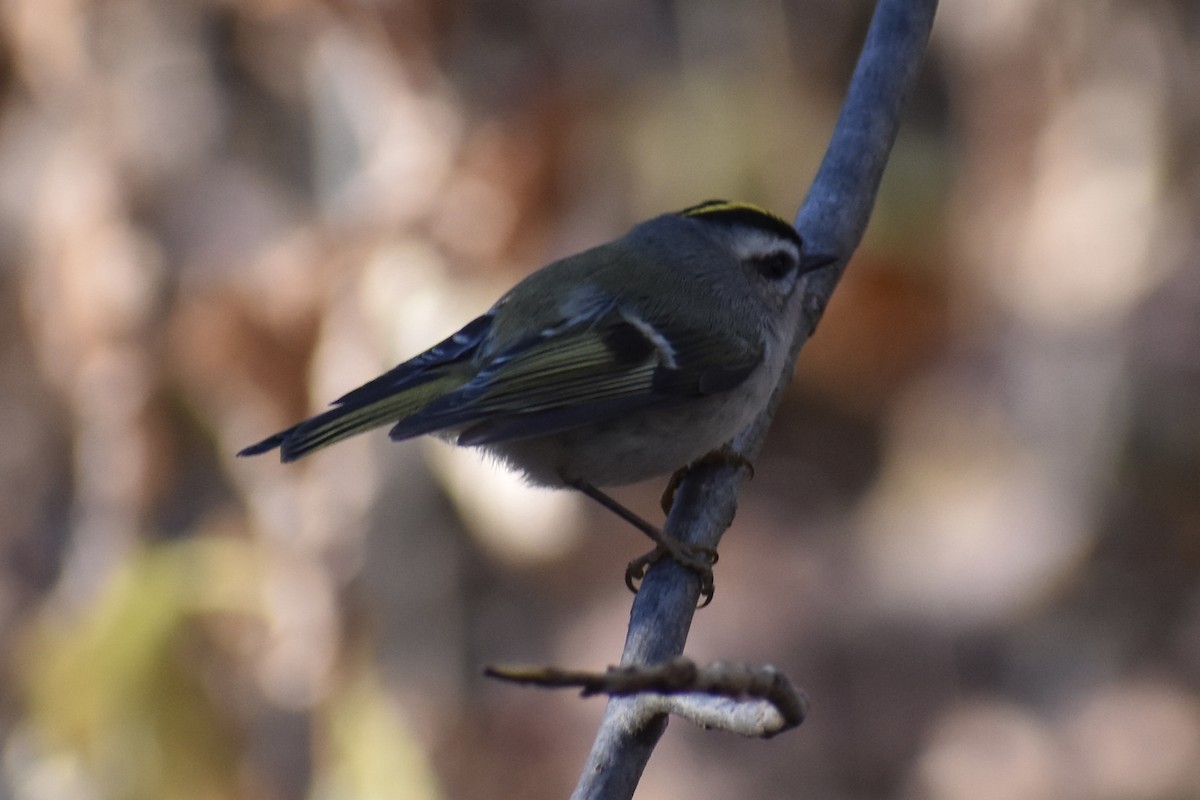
x: 636, y: 570
x: 723, y: 455
x: 698, y: 559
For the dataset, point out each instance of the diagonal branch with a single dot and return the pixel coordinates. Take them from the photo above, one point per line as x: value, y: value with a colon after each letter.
x: 832, y: 220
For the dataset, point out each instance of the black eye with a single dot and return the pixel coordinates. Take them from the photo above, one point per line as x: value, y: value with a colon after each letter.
x: 774, y: 266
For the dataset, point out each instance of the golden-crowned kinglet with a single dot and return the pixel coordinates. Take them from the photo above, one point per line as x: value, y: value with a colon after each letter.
x: 626, y: 361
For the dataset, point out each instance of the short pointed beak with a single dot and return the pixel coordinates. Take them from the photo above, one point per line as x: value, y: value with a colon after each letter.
x: 810, y: 262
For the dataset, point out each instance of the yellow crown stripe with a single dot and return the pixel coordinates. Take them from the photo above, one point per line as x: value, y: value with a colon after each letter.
x: 721, y: 211
x: 727, y: 206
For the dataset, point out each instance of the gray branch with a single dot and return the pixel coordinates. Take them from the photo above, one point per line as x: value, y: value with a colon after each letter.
x: 739, y: 698
x: 832, y: 220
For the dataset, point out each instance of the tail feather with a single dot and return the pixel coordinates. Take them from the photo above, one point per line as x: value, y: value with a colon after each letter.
x: 266, y: 445
x: 346, y: 420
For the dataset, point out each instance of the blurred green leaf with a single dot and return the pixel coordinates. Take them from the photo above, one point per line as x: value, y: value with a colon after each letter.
x: 122, y: 688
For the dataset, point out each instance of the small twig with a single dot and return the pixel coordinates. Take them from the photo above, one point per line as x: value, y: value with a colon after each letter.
x: 740, y: 698
x: 832, y: 220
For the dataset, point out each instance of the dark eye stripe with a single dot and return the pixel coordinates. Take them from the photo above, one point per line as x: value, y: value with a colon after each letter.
x: 775, y: 266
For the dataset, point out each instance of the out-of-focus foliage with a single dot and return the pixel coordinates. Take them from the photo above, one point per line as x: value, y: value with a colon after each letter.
x: 974, y: 536
x: 119, y: 685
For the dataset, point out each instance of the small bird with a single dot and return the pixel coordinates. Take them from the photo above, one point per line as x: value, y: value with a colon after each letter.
x: 626, y: 361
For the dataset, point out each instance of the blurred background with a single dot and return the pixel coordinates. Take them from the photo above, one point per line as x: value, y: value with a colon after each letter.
x: 974, y: 534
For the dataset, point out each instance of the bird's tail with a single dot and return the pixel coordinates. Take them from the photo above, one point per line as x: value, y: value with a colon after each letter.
x: 357, y: 412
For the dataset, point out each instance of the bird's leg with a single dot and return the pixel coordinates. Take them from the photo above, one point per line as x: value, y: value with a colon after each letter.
x: 696, y: 558
x: 725, y: 454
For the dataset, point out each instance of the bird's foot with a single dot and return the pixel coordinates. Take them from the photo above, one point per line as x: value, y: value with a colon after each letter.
x: 724, y: 454
x: 696, y: 558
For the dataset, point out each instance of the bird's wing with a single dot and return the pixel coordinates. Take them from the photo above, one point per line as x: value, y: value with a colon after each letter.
x: 593, y: 368
x: 394, y: 395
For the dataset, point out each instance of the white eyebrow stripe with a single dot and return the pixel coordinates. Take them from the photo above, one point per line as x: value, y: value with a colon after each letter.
x: 762, y: 243
x: 662, y: 344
